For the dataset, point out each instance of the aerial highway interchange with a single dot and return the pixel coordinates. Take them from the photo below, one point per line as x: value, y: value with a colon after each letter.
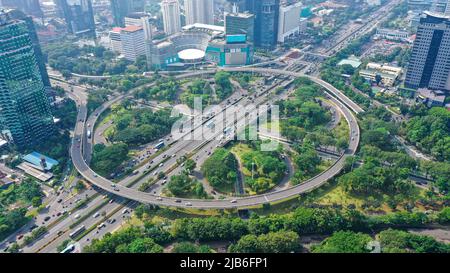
x: 79, y: 161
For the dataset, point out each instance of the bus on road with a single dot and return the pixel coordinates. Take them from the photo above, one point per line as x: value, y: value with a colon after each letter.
x: 68, y: 249
x: 159, y: 145
x: 77, y: 232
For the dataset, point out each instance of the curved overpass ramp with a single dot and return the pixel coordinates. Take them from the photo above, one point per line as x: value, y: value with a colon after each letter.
x: 143, y: 197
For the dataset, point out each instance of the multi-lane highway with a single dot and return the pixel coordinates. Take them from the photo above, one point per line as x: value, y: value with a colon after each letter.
x: 340, y: 99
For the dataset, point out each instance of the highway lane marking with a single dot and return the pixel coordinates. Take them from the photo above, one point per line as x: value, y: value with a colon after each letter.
x: 51, y: 241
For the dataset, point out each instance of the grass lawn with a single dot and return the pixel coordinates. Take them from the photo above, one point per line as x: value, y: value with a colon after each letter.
x: 225, y: 189
x: 336, y: 195
x: 239, y: 150
x: 342, y: 130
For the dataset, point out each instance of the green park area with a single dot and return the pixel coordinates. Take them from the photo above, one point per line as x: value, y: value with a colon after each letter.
x: 262, y: 170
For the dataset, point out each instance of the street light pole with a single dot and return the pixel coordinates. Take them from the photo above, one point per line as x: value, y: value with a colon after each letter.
x: 253, y: 164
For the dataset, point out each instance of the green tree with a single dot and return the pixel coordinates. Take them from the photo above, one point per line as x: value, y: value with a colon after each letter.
x: 344, y: 242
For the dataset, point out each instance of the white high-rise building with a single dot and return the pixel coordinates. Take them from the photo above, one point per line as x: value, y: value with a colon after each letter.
x: 129, y: 41
x: 199, y: 11
x: 171, y: 16
x: 289, y: 21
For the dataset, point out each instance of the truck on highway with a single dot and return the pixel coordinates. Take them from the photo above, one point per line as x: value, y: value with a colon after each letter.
x: 77, y: 232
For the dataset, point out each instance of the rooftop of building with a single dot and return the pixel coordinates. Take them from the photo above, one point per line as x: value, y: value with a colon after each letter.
x: 384, y: 67
x: 204, y: 26
x: 290, y: 5
x: 164, y: 44
x: 374, y: 72
x: 5, y: 182
x: 354, y: 61
x: 191, y: 54
x: 35, y: 159
x: 245, y: 15
x: 436, y: 15
x: 127, y: 29
x: 435, y: 95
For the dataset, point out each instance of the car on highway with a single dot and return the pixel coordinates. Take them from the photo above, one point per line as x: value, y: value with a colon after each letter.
x: 178, y: 201
x: 188, y: 204
x: 102, y: 225
x: 96, y: 215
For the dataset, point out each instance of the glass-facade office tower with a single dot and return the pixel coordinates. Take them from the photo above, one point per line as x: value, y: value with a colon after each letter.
x: 19, y: 15
x: 429, y: 65
x: 240, y: 23
x: 266, y: 21
x: 121, y: 8
x: 79, y: 16
x: 25, y: 114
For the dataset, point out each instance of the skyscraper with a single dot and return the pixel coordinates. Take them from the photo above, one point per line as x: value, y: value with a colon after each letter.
x: 30, y: 7
x: 25, y: 114
x: 289, y: 21
x: 79, y: 16
x: 266, y: 21
x: 240, y: 23
x: 440, y: 6
x: 171, y: 16
x: 129, y: 41
x: 429, y: 65
x: 199, y: 11
x: 121, y: 8
x: 19, y: 15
